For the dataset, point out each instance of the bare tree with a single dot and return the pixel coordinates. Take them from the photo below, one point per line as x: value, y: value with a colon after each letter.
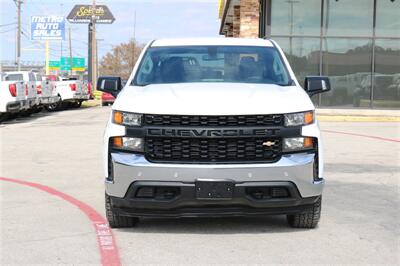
x: 121, y: 59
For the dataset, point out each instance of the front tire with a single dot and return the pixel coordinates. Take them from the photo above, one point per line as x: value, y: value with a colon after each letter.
x: 308, y: 218
x: 115, y: 220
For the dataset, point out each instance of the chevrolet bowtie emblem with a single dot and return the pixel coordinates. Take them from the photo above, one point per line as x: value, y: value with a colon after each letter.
x: 268, y: 143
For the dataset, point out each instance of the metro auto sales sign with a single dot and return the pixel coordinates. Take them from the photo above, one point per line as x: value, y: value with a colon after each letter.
x: 47, y: 28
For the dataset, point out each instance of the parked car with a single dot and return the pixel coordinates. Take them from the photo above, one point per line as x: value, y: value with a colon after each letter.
x: 213, y: 127
x: 71, y: 92
x: 107, y: 99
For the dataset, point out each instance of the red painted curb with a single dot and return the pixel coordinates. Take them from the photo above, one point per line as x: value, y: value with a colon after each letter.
x: 361, y: 135
x: 105, y: 238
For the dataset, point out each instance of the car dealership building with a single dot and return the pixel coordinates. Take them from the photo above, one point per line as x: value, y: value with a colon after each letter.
x: 354, y: 42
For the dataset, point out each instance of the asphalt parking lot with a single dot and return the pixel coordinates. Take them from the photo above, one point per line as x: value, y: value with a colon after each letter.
x: 360, y: 214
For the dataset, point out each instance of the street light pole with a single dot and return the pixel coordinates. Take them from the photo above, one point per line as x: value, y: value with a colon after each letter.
x: 70, y: 51
x: 18, y: 2
x: 94, y: 48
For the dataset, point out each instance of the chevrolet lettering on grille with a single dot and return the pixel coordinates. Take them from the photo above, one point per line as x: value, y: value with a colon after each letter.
x: 213, y: 133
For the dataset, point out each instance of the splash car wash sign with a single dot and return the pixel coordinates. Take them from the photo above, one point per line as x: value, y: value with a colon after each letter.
x: 86, y: 13
x: 47, y: 28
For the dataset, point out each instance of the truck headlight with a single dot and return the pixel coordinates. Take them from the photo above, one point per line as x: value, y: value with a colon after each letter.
x: 126, y: 119
x: 128, y: 143
x: 297, y: 144
x: 299, y: 119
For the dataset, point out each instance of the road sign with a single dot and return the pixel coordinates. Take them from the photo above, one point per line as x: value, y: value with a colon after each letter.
x: 47, y: 28
x: 78, y: 63
x: 54, y: 65
x: 84, y: 13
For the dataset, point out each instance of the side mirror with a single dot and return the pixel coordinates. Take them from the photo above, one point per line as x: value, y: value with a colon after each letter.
x: 111, y: 85
x: 316, y: 84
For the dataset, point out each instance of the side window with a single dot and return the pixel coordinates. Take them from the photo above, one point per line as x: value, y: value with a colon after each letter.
x: 146, y: 70
x: 14, y: 77
x: 31, y: 76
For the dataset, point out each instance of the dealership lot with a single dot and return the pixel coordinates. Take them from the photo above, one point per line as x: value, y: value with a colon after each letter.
x: 360, y: 218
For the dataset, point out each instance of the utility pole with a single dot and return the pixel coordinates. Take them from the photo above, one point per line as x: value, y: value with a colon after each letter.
x: 134, y: 38
x: 61, y: 42
x: 70, y: 51
x: 90, y: 61
x: 47, y: 58
x: 97, y: 55
x: 18, y: 3
x: 94, y: 48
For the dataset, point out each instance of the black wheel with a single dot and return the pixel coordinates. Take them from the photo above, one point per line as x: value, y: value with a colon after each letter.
x: 104, y: 104
x: 115, y: 220
x: 53, y: 107
x: 76, y: 104
x: 308, y: 218
x: 3, y: 117
x: 38, y: 109
x: 27, y: 113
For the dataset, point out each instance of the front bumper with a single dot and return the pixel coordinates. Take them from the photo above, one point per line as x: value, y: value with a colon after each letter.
x: 295, y: 168
x: 185, y: 204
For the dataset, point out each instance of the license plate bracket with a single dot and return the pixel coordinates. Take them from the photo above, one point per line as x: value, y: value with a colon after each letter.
x: 214, y: 189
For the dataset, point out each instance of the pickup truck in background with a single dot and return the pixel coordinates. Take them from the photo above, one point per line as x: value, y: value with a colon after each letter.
x: 31, y: 93
x: 72, y: 93
x: 13, y: 98
x: 46, y: 91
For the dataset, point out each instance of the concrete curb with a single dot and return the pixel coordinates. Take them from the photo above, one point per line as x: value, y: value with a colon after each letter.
x: 357, y: 115
x: 91, y: 103
x: 350, y: 118
x: 359, y: 112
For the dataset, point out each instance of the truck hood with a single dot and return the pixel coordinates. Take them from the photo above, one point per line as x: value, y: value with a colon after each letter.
x: 213, y: 99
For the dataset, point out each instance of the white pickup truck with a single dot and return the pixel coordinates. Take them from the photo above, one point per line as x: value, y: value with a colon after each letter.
x: 71, y: 92
x: 13, y: 97
x: 213, y: 127
x: 46, y: 91
x: 31, y: 93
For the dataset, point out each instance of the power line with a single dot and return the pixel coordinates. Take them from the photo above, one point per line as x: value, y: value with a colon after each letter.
x: 8, y: 30
x: 8, y: 24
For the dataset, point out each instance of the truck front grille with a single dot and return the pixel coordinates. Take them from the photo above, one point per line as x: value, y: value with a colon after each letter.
x: 203, y: 150
x: 213, y: 121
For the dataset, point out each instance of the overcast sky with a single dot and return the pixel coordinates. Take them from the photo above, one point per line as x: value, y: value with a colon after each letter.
x: 154, y: 19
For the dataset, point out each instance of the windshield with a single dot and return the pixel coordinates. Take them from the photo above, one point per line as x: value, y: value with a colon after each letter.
x: 14, y: 77
x: 246, y: 64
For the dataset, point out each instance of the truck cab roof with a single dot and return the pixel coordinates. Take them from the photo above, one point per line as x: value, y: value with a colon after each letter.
x: 211, y: 41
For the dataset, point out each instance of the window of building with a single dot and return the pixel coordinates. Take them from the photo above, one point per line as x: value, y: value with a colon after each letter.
x: 348, y: 17
x: 303, y: 55
x: 347, y: 62
x: 387, y: 73
x: 298, y: 17
x: 388, y: 18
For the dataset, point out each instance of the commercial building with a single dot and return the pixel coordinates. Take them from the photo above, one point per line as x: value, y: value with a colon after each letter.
x: 354, y: 42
